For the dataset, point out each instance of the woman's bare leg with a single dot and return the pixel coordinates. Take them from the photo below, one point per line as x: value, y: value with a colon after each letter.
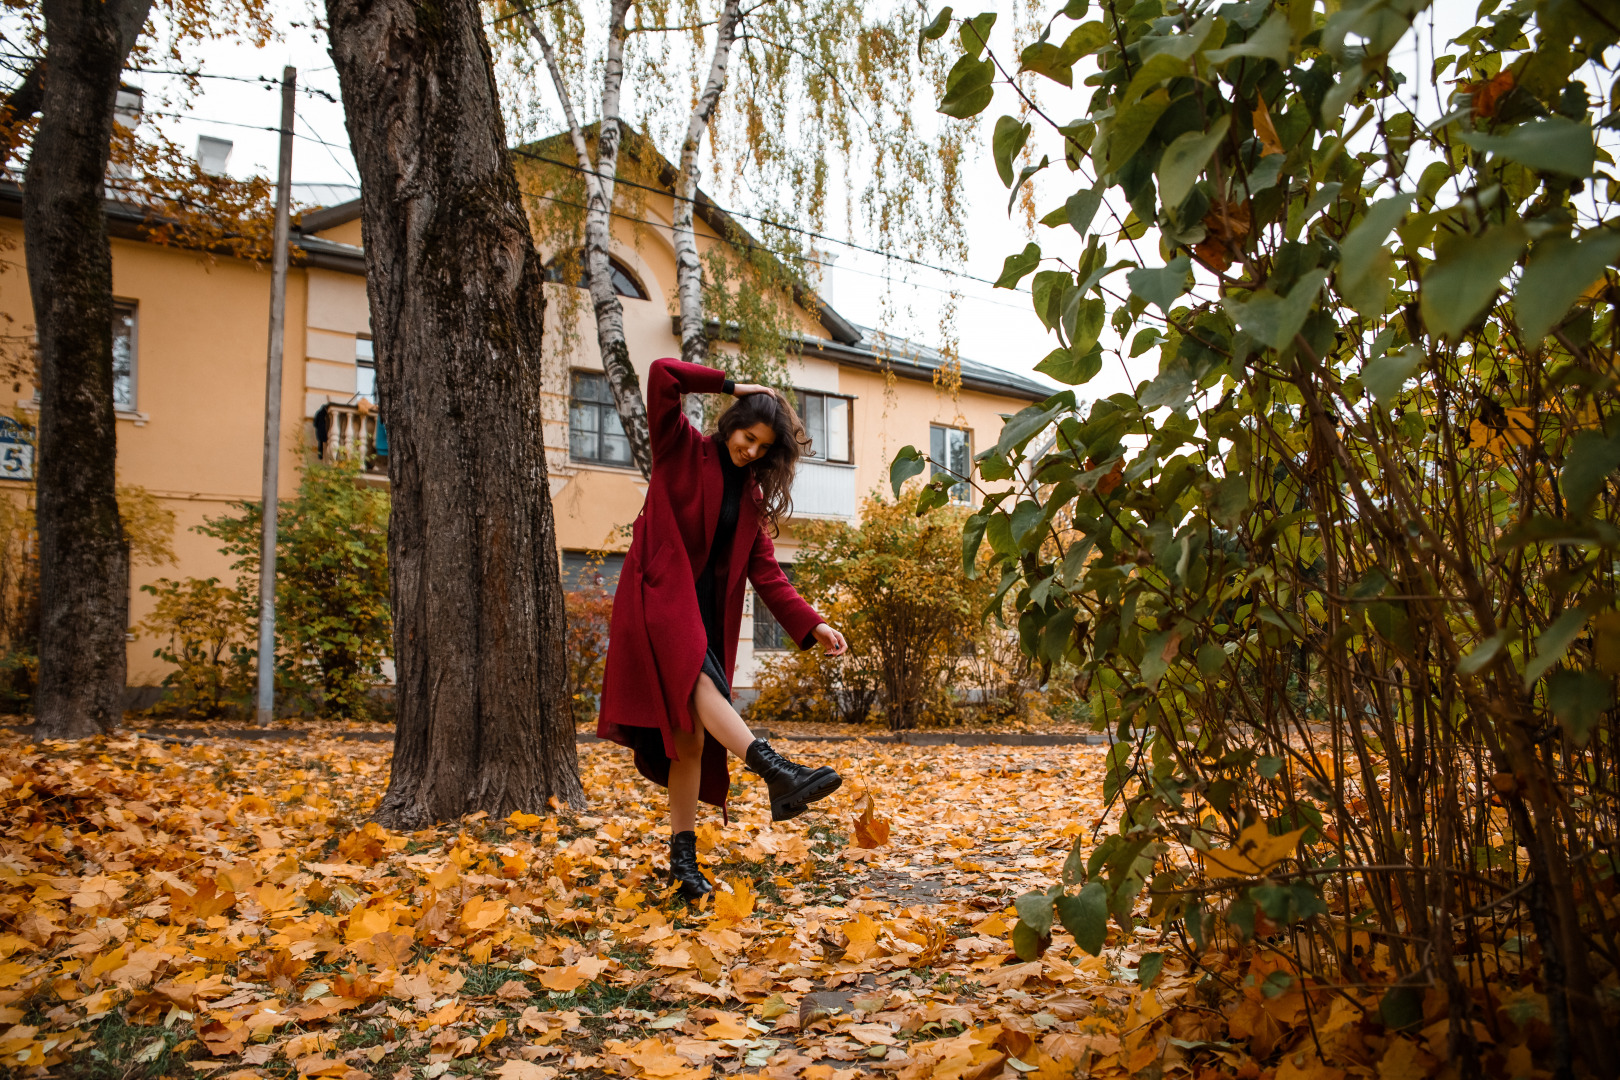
x: 685, y: 774
x: 716, y: 714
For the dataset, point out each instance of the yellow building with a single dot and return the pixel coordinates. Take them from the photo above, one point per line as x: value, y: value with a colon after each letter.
x: 190, y: 346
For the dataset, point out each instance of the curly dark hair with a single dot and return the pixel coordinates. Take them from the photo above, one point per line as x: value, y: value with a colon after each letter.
x: 774, y: 469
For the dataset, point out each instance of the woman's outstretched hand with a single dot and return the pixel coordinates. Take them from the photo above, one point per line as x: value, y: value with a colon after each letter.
x: 830, y: 639
x: 743, y: 389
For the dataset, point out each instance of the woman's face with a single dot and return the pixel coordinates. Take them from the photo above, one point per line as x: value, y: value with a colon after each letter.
x: 747, y: 445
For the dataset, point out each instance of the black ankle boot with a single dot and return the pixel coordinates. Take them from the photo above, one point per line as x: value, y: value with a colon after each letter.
x: 793, y: 787
x: 683, y: 867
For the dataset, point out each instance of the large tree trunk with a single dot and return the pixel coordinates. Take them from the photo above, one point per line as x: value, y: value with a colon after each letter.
x: 621, y: 375
x: 83, y: 556
x: 456, y: 311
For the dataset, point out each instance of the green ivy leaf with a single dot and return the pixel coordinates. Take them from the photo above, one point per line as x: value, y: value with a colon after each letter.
x: 972, y: 540
x: 1385, y: 375
x: 1591, y: 457
x: 1274, y: 320
x: 1035, y: 911
x: 1164, y: 285
x: 1552, y: 643
x: 1362, y: 276
x: 1461, y: 281
x: 1148, y: 968
x: 1554, y: 144
x: 1065, y: 366
x: 934, y: 30
x: 1085, y: 916
x: 1082, y: 208
x: 1401, y: 1007
x: 967, y: 87
x: 975, y: 33
x: 1008, y: 140
x: 1045, y: 58
x: 1272, y: 41
x: 1027, y: 944
x: 1185, y: 158
x: 1016, y: 266
x: 1074, y: 867
x: 907, y: 463
x: 1482, y: 654
x: 1130, y: 129
x: 1560, y: 270
x: 1578, y: 699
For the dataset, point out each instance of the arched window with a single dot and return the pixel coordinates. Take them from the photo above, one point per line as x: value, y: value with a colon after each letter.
x: 624, y: 282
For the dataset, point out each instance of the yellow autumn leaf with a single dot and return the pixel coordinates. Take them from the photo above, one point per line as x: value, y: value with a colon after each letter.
x: 562, y: 979
x: 480, y: 913
x: 734, y: 904
x: 728, y: 1026
x: 518, y: 819
x: 1255, y: 852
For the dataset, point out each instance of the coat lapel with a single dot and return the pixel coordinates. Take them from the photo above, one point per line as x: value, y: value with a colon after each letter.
x: 743, y: 544
x: 714, y: 492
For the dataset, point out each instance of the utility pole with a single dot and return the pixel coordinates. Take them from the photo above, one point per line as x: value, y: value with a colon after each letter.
x: 272, y: 406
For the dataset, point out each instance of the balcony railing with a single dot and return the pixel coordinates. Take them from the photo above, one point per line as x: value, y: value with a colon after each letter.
x: 822, y: 489
x: 350, y: 434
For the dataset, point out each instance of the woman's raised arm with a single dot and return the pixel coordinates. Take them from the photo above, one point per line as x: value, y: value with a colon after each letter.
x: 668, y: 381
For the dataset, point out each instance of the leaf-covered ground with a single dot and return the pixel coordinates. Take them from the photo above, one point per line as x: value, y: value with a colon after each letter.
x: 223, y: 909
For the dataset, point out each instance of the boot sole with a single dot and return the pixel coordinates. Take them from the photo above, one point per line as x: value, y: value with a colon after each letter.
x: 688, y: 892
x: 821, y: 784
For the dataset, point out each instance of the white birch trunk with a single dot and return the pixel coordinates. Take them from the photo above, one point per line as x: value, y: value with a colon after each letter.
x: 621, y: 375
x: 688, y: 267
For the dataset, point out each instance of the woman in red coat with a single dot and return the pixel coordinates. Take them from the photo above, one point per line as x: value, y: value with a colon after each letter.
x: 672, y: 645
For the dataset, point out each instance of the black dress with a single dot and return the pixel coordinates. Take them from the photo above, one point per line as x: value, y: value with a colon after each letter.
x: 711, y: 583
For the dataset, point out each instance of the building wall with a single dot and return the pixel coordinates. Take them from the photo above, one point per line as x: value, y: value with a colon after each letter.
x: 195, y: 436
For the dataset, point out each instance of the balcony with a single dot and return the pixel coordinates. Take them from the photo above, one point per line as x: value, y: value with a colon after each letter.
x: 823, y: 489
x: 351, y: 433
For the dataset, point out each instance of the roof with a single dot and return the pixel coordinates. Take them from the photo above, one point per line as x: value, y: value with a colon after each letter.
x: 881, y: 351
x: 129, y: 221
x: 322, y: 195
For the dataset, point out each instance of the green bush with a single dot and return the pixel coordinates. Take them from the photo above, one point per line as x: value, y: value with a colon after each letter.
x: 208, y: 636
x: 333, y: 623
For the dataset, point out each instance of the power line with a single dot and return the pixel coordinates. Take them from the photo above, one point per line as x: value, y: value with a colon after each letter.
x: 264, y: 80
x: 760, y: 247
x: 754, y: 217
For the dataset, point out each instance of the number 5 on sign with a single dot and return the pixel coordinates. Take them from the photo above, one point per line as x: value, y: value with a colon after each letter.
x: 16, y: 451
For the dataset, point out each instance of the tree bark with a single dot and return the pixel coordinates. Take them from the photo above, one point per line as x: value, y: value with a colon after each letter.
x: 621, y: 374
x: 457, y: 308
x: 83, y: 555
x: 688, y: 268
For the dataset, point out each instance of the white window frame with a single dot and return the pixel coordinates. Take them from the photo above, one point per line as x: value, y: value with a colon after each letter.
x: 961, y: 492
x: 818, y: 453
x: 130, y: 407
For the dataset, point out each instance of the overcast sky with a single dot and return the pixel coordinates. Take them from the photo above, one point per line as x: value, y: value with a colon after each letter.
x: 994, y: 326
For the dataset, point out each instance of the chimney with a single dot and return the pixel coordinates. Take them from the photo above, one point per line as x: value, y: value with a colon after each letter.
x: 213, y: 155
x: 818, y: 270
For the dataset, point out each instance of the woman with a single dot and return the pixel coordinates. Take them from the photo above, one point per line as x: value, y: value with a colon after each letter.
x: 672, y: 645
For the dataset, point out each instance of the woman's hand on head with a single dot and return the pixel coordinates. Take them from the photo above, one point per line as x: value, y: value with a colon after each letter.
x: 743, y: 389
x: 830, y: 639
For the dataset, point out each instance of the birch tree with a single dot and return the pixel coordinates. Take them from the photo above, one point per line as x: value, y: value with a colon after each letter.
x: 826, y: 90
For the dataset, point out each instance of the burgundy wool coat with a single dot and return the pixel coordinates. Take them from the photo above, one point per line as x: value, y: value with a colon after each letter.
x: 656, y: 639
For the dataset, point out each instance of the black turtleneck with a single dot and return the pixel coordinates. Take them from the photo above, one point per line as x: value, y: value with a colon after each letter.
x: 711, y: 583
